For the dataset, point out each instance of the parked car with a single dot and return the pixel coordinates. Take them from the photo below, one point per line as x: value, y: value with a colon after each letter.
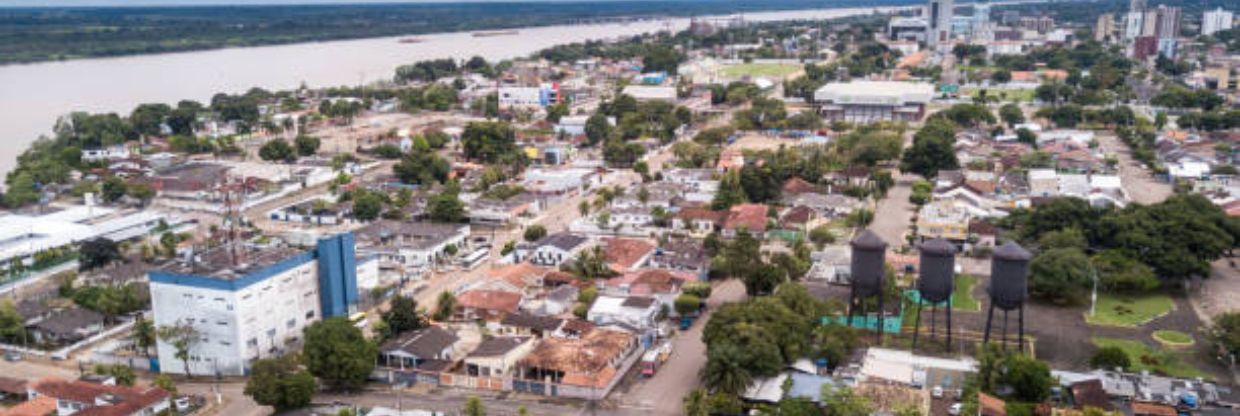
x: 12, y: 356
x: 955, y: 409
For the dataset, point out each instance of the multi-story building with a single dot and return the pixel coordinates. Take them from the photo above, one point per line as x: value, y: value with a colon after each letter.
x: 871, y: 101
x: 907, y: 28
x: 1168, y: 23
x: 1216, y: 20
x: 540, y: 96
x: 1041, y: 24
x: 1104, y: 29
x: 239, y: 304
x: 1133, y: 23
x: 939, y: 15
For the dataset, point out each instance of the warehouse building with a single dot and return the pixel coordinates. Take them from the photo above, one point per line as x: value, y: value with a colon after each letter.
x: 871, y: 101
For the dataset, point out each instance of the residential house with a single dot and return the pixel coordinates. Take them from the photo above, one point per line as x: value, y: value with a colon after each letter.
x: 833, y: 264
x: 662, y: 285
x: 748, y: 217
x: 528, y: 325
x: 634, y: 311
x: 500, y: 212
x: 682, y: 255
x: 558, y: 300
x: 486, y: 305
x: 67, y: 326
x: 826, y: 205
x: 414, y: 245
x: 522, y: 278
x: 496, y: 357
x: 800, y: 218
x: 587, y: 365
x: 627, y: 254
x: 945, y: 219
x: 411, y: 349
x: 85, y: 398
x: 698, y: 221
x: 558, y: 248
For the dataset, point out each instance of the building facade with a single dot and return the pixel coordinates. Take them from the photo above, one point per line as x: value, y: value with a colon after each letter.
x: 1216, y: 20
x: 939, y: 14
x: 872, y: 101
x: 234, y: 313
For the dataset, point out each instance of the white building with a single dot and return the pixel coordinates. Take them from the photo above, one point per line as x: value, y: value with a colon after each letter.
x: 415, y: 246
x: 645, y: 93
x: 237, y: 306
x: 1216, y: 20
x: 21, y: 236
x: 872, y: 101
x: 939, y: 14
x: 635, y: 311
x: 540, y: 96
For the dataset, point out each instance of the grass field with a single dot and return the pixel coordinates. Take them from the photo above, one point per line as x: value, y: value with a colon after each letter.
x: 1129, y: 311
x: 1173, y: 338
x: 1157, y: 361
x: 759, y: 70
x: 962, y: 298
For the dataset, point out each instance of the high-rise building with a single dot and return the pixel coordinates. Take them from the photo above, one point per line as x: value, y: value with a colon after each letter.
x: 1133, y: 25
x: 939, y: 14
x: 1136, y: 5
x: 1168, y: 26
x: 981, y: 14
x: 1216, y: 20
x: 1149, y: 23
x: 1104, y: 30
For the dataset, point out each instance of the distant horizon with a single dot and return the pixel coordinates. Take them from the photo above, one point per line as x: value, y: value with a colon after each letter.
x: 178, y: 3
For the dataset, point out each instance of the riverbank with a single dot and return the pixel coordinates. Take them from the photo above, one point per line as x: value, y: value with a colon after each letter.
x: 33, y: 96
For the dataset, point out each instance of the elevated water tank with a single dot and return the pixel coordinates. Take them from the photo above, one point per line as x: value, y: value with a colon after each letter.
x: 868, y: 257
x: 1009, y: 276
x: 938, y: 269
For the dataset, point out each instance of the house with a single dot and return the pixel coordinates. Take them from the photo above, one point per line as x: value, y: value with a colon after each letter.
x: 1152, y: 409
x: 415, y: 245
x: 1089, y: 393
x: 41, y: 406
x: 558, y: 248
x: 698, y: 221
x: 626, y: 254
x: 522, y: 278
x: 67, y: 326
x: 831, y: 265
x: 487, y: 305
x: 635, y: 311
x: 559, y: 300
x: 528, y: 325
x: 662, y: 285
x: 826, y: 205
x: 988, y: 405
x: 683, y: 255
x: 499, y: 212
x: 796, y: 186
x: 799, y: 218
x: 946, y: 219
x: 85, y: 398
x: 584, y: 366
x: 748, y: 217
x: 497, y: 356
x: 13, y: 388
x: 413, y: 348
x: 647, y: 93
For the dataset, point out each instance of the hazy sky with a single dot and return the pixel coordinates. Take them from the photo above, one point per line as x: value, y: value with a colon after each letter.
x: 62, y: 3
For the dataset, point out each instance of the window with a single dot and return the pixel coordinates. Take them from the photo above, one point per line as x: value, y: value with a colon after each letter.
x: 219, y: 299
x: 225, y: 343
x: 291, y: 323
x: 309, y: 315
x: 221, y: 323
x: 253, y: 342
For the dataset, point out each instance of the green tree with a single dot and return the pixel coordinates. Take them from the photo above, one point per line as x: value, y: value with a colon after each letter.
x: 932, y: 150
x: 277, y: 150
x: 489, y: 142
x: 446, y: 206
x: 1119, y: 272
x: 183, y: 337
x: 422, y: 167
x: 12, y: 324
x: 1060, y: 275
x: 1011, y: 114
x: 445, y: 306
x: 730, y: 191
x: 1071, y: 237
x: 403, y: 315
x: 367, y: 206
x: 142, y: 192
x: 724, y: 371
x: 165, y: 382
x: 696, y: 404
x: 1026, y: 136
x: 1225, y: 333
x: 338, y: 354
x: 144, y: 335
x: 841, y: 401
x: 306, y: 145
x: 534, y: 233
x: 97, y: 253
x: 21, y: 190
x: 687, y: 304
x: 1110, y: 358
x: 598, y: 129
x: 280, y: 383
x: 113, y: 189
x: 473, y: 407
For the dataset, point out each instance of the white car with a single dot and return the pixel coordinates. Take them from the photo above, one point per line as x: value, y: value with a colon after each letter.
x: 937, y: 392
x: 954, y: 410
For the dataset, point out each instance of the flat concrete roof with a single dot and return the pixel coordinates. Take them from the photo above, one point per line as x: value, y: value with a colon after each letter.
x: 875, y: 93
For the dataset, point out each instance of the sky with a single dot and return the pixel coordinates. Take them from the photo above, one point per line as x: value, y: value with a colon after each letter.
x: 108, y: 3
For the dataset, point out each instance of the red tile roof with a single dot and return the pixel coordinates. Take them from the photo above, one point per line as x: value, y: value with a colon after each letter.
x: 39, y: 406
x: 490, y: 300
x: 796, y: 185
x: 651, y: 281
x: 125, y: 400
x: 520, y: 275
x: 624, y: 253
x: 690, y: 214
x: 749, y: 216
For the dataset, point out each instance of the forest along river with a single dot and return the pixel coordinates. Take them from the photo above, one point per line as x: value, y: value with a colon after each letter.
x: 32, y: 96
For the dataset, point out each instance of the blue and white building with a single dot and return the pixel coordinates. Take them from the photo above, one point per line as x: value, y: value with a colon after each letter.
x: 248, y: 303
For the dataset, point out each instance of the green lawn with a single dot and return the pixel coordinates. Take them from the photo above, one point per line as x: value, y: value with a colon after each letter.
x: 1158, y: 361
x: 759, y: 70
x: 962, y: 298
x: 1176, y: 338
x: 1129, y: 311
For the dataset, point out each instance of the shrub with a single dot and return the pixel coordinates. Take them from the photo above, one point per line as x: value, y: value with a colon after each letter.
x: 1109, y: 358
x: 687, y: 304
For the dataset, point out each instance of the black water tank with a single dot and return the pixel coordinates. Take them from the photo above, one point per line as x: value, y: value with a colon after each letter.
x: 938, y: 269
x: 1009, y: 276
x: 868, y: 257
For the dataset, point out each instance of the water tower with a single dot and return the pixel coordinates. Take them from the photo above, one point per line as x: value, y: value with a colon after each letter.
x: 1009, y: 288
x: 868, y: 258
x: 935, y: 284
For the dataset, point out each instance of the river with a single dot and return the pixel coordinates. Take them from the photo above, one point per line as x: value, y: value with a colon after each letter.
x: 33, y: 96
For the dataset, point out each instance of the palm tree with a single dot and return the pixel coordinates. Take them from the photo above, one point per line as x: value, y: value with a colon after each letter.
x: 724, y: 371
x: 695, y: 403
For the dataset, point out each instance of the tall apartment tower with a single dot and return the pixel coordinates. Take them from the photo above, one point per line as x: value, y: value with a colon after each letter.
x: 1168, y: 24
x: 1136, y: 5
x: 1104, y: 30
x: 939, y: 14
x: 1216, y: 20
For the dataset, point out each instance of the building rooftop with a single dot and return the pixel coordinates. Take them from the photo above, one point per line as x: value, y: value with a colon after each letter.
x: 875, y: 92
x: 563, y: 241
x: 424, y: 343
x: 492, y: 347
x: 418, y: 235
x: 101, y: 399
x: 225, y: 263
x: 585, y: 360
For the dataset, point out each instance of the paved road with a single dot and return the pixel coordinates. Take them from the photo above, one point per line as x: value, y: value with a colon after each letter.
x: 1142, y: 187
x: 662, y: 394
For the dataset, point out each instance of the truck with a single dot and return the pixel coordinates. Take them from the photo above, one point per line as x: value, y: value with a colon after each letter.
x: 653, y: 358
